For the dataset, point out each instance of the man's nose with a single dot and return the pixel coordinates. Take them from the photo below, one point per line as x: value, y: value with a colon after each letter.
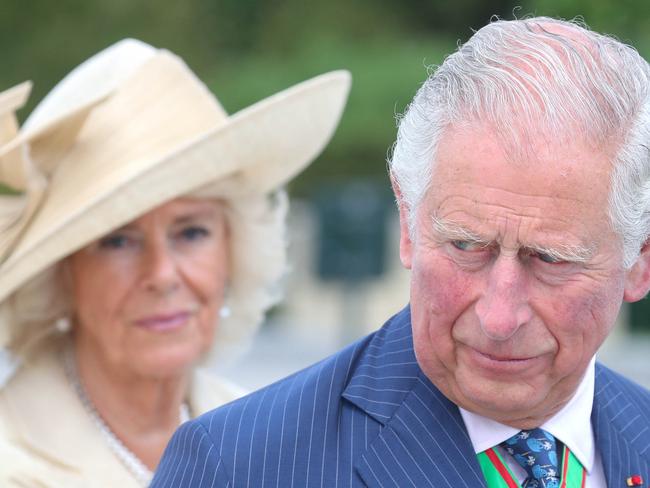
x: 159, y: 268
x: 503, y: 306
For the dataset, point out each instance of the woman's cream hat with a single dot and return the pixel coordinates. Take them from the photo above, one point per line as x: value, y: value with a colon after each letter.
x: 130, y: 129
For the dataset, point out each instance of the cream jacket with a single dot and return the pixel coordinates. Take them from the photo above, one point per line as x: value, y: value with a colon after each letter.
x: 48, y: 440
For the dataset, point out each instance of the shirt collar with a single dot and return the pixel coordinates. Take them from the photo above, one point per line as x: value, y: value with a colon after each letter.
x: 572, y: 424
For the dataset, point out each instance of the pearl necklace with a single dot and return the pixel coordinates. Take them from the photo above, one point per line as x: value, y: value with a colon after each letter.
x: 138, y: 469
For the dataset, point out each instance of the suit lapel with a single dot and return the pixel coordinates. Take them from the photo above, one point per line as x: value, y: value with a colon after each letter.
x: 423, y: 444
x: 621, y: 428
x: 423, y: 440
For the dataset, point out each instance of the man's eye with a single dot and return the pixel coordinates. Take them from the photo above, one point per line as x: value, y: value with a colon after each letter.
x: 547, y: 258
x: 467, y: 245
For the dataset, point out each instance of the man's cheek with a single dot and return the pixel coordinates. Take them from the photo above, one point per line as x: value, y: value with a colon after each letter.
x: 446, y: 292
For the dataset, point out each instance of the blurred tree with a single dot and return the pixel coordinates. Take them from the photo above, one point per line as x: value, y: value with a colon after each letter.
x: 248, y: 49
x: 628, y: 20
x: 245, y: 50
x: 455, y: 18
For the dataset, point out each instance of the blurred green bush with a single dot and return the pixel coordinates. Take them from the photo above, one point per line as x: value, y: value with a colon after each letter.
x: 248, y: 49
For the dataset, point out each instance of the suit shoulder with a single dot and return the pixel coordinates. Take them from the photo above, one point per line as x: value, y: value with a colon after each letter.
x: 637, y: 394
x: 249, y: 438
x: 190, y: 461
x: 272, y: 434
x: 603, y: 373
x: 328, y: 376
x: 323, y: 383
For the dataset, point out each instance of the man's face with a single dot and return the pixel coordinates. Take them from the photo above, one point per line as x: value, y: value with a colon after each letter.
x: 517, y: 277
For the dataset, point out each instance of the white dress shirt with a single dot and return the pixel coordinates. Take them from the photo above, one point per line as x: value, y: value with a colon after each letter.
x: 571, y: 425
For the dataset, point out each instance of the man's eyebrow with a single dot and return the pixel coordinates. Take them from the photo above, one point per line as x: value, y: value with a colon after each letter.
x: 450, y: 230
x: 565, y: 252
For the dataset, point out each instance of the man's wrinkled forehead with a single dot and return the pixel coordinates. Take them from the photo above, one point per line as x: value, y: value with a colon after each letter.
x: 478, y: 194
x: 530, y: 145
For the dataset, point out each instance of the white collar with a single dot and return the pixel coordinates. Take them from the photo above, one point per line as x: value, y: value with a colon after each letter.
x: 572, y: 424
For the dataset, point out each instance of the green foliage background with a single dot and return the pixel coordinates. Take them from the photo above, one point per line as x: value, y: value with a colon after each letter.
x: 248, y: 49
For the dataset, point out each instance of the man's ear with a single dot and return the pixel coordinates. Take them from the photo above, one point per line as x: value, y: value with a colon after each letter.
x: 637, y: 280
x: 405, y: 243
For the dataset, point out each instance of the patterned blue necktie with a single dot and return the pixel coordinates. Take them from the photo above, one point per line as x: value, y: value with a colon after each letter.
x: 535, y: 451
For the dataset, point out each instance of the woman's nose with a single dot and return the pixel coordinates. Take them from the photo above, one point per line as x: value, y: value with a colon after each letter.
x: 504, y: 304
x: 160, y: 270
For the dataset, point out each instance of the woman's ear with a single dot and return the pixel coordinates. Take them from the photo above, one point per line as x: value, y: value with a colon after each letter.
x: 64, y: 277
x: 64, y: 274
x: 637, y: 279
x: 405, y: 243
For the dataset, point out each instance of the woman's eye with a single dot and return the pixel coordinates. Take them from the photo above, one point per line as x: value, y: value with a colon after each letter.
x: 194, y: 233
x: 114, y: 241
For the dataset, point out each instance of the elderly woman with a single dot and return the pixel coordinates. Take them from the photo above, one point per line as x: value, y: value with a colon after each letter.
x: 141, y: 234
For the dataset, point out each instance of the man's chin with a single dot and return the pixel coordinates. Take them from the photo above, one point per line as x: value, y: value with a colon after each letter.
x: 508, y: 404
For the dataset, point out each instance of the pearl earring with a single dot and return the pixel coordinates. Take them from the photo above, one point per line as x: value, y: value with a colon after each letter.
x: 62, y: 325
x: 224, y: 311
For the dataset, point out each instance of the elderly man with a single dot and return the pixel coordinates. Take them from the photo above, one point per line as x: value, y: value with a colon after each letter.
x: 522, y: 175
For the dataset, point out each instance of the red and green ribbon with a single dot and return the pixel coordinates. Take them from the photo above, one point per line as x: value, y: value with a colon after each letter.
x: 498, y: 474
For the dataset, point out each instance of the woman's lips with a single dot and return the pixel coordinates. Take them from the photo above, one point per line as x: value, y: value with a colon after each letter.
x: 164, y: 322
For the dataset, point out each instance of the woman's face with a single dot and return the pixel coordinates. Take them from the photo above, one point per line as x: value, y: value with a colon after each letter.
x: 146, y: 296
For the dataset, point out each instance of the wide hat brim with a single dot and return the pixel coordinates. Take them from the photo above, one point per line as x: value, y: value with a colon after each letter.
x: 261, y: 148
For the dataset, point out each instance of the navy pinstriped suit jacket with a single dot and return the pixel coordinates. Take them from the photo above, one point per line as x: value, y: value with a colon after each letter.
x: 367, y: 416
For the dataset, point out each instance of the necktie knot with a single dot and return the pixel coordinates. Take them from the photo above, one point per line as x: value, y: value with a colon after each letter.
x: 535, y: 450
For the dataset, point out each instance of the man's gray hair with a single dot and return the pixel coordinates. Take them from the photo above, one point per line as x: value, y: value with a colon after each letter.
x: 534, y: 78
